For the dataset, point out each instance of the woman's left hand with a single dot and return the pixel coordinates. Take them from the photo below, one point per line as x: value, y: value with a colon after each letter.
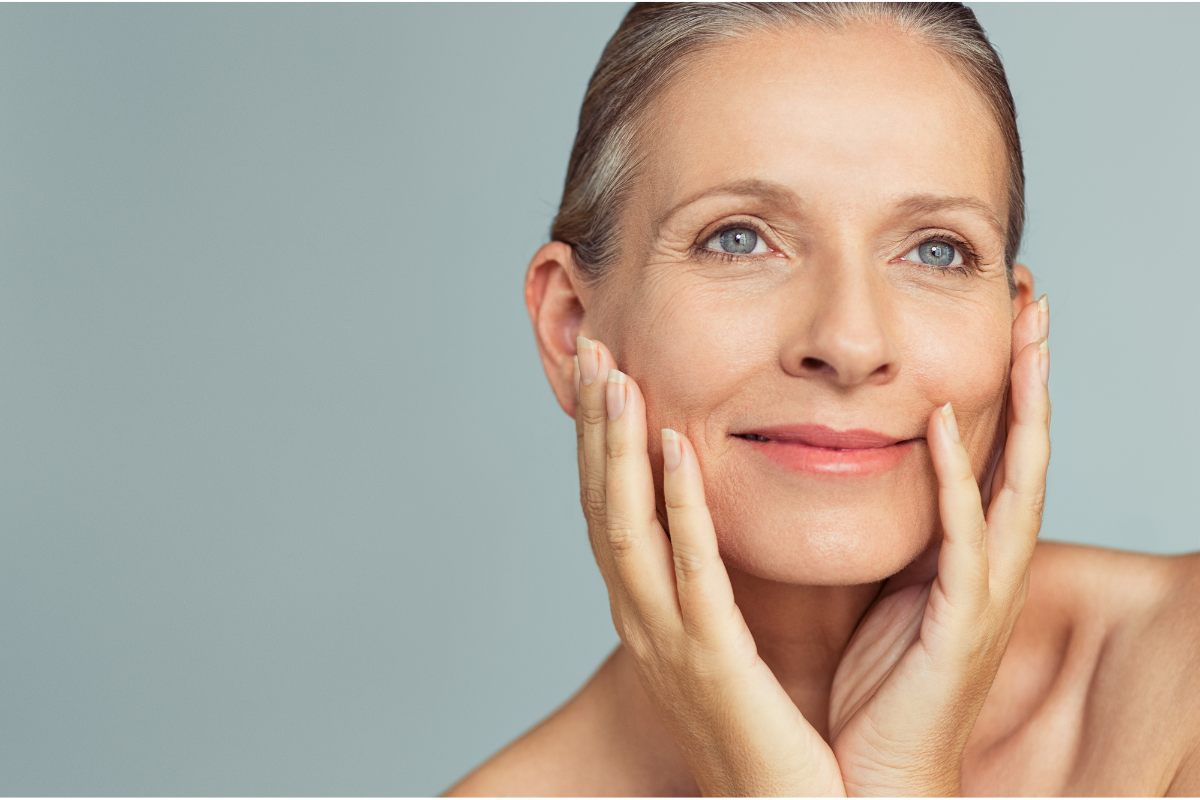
x: 914, y: 677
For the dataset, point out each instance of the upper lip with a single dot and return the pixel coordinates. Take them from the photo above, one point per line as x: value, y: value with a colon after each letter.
x: 822, y: 436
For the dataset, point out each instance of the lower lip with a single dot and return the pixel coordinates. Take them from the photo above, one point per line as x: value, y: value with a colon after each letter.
x: 829, y: 461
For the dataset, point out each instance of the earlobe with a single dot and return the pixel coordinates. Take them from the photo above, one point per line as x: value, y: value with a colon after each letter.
x: 1023, y: 281
x: 556, y: 305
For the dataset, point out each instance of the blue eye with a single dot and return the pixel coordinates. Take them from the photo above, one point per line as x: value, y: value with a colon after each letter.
x: 738, y: 242
x: 935, y: 253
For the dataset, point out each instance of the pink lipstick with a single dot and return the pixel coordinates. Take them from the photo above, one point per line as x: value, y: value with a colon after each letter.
x: 816, y: 448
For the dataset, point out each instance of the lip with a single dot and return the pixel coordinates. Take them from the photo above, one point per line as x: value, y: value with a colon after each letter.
x: 824, y: 450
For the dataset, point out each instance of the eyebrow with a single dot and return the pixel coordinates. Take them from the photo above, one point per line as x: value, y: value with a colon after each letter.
x: 767, y: 191
x: 779, y: 194
x: 918, y: 204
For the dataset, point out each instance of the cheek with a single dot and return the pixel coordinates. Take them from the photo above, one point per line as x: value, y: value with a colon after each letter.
x: 692, y: 346
x: 961, y: 361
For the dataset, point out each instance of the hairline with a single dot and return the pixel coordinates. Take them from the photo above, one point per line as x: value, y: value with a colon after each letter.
x: 621, y: 154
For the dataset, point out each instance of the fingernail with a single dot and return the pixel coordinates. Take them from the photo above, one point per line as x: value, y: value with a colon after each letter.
x: 672, y: 450
x: 1044, y: 315
x: 576, y: 377
x: 1044, y: 359
x: 589, y: 359
x: 951, y: 422
x: 614, y: 393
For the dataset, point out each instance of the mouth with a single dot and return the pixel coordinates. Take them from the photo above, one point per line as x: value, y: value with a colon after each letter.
x: 823, y: 450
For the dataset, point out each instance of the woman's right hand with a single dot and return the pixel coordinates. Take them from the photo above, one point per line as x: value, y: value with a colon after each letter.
x: 673, y: 606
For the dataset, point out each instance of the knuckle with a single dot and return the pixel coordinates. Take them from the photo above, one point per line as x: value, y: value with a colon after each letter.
x: 1030, y: 495
x: 971, y: 531
x: 621, y: 538
x: 593, y: 499
x: 1036, y: 500
x: 592, y: 416
x: 618, y: 450
x: 979, y: 535
x: 688, y: 563
x: 979, y: 525
x: 679, y: 503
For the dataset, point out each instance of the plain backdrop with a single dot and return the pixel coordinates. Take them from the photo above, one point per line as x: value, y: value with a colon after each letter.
x: 286, y: 505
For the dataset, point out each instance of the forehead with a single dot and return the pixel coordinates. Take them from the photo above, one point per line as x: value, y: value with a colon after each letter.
x: 850, y: 117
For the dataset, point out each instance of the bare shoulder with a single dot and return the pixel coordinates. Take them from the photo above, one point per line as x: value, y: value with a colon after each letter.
x: 604, y: 741
x: 545, y: 761
x: 1170, y: 644
x: 1150, y: 602
x: 1098, y: 692
x: 1133, y: 627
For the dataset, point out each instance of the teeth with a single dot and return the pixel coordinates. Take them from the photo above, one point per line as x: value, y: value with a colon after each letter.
x: 754, y: 437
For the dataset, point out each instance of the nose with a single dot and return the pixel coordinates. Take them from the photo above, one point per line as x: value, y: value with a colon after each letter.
x: 841, y: 334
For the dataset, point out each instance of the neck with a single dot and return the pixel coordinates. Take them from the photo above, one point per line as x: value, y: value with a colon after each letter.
x: 801, y: 633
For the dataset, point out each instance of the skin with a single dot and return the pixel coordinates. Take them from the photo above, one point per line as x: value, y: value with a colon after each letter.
x: 898, y: 632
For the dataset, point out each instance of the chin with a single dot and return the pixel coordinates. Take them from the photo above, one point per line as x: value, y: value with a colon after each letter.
x: 824, y: 530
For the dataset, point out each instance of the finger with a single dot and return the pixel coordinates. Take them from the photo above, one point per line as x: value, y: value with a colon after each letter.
x: 963, y: 561
x: 1031, y: 324
x: 641, y: 554
x: 705, y: 594
x: 591, y: 422
x: 1016, y: 511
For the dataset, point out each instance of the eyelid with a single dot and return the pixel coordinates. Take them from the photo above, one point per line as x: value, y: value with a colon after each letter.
x: 759, y: 229
x: 970, y: 258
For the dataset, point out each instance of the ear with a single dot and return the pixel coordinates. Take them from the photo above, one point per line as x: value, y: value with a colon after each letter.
x: 556, y: 304
x: 1023, y: 279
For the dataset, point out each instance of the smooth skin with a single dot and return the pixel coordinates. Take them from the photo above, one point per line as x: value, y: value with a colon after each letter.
x: 788, y: 632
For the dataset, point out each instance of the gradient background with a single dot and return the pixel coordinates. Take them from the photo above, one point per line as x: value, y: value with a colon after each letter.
x: 286, y: 506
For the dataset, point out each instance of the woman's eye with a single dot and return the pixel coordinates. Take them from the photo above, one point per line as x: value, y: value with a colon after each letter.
x: 935, y: 253
x: 738, y: 242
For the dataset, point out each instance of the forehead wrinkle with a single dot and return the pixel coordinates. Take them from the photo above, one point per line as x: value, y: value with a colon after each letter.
x: 918, y: 204
x: 766, y: 191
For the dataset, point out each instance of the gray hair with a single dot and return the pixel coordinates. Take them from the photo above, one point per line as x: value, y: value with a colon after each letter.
x: 652, y: 46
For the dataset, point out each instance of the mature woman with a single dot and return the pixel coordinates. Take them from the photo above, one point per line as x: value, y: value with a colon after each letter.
x: 810, y: 388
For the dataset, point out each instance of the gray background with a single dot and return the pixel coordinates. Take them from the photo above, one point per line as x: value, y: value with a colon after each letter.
x: 285, y: 503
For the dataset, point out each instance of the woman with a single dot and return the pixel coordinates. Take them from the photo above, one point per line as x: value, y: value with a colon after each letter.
x: 787, y: 243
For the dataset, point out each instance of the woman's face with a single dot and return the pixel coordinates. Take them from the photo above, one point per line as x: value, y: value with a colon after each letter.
x: 812, y: 262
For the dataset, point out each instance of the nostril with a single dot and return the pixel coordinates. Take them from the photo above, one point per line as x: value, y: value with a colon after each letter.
x: 813, y: 364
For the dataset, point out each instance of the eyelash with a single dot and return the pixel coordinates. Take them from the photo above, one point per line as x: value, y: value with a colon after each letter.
x: 970, y: 260
x: 702, y: 250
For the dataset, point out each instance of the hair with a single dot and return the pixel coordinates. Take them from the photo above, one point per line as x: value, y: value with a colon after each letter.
x: 654, y: 44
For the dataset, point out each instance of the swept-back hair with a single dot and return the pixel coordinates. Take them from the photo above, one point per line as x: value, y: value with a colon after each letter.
x: 657, y: 40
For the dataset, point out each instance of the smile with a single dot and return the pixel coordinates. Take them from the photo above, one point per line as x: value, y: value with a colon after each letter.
x: 822, y: 450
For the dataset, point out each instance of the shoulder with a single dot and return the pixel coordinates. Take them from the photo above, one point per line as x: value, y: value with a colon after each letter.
x: 1121, y: 594
x: 1141, y: 610
x: 544, y: 761
x: 1170, y: 647
x: 1152, y: 600
x: 1138, y: 617
x: 605, y: 741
